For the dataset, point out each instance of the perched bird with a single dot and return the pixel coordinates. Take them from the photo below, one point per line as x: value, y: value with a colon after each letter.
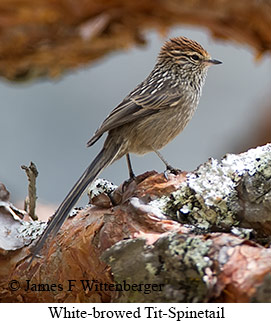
x: 147, y: 119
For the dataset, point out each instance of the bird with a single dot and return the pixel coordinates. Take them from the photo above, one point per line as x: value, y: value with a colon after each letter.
x: 147, y: 119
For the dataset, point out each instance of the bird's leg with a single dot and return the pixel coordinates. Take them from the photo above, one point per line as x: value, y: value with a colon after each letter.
x: 169, y: 168
x: 130, y: 169
x: 131, y: 173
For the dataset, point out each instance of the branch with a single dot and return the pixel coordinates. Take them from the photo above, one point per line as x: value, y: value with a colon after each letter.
x: 201, y: 236
x: 36, y: 43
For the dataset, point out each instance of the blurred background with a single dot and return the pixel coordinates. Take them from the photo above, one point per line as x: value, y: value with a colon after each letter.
x: 48, y: 121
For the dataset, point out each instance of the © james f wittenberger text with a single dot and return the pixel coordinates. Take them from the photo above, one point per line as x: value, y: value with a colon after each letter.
x: 86, y: 285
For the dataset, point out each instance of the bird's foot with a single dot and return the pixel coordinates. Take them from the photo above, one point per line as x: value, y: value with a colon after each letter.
x: 171, y: 170
x: 128, y: 182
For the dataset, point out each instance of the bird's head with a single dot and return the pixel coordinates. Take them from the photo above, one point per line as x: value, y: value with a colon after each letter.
x: 185, y: 53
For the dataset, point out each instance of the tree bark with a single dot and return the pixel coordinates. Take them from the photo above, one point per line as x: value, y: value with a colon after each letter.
x: 202, y: 236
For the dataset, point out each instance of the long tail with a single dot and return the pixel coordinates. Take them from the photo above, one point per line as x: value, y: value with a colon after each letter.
x: 103, y: 159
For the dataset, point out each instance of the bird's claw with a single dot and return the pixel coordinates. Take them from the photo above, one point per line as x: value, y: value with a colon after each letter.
x: 128, y: 182
x: 171, y: 170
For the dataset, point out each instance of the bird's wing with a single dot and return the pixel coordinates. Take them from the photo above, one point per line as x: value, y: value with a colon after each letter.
x: 133, y: 108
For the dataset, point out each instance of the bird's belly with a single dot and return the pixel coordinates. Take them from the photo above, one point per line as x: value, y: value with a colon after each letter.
x: 157, y: 130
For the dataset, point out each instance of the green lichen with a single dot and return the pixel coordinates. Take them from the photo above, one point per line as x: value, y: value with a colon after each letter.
x: 152, y: 270
x: 187, y: 266
x: 192, y: 252
x: 179, y: 263
x: 209, y: 197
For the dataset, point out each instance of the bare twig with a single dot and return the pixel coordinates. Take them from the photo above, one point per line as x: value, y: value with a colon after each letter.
x: 30, y: 201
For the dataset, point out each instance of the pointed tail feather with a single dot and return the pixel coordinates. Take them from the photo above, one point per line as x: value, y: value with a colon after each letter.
x: 103, y: 159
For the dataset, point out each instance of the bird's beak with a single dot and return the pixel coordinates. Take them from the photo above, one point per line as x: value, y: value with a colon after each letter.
x: 212, y: 62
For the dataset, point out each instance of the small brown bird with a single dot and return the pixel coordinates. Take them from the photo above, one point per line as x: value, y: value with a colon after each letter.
x: 147, y: 119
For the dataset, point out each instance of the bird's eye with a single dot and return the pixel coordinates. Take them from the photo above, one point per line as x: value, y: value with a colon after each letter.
x: 195, y: 57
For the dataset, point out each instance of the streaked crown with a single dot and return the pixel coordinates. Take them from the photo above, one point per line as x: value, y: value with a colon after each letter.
x: 181, y: 50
